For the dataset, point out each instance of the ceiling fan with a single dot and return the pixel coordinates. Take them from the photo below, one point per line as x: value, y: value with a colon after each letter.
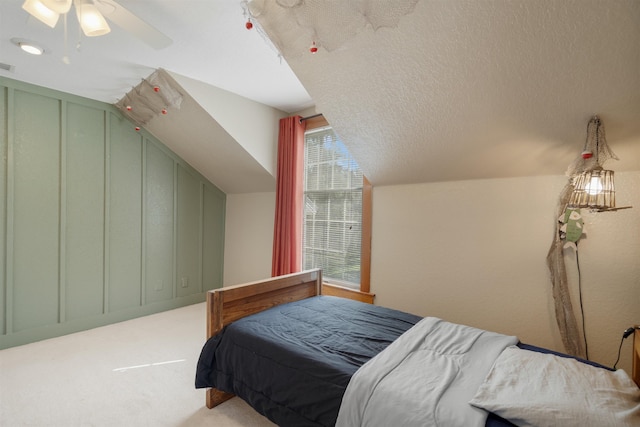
x: 91, y: 16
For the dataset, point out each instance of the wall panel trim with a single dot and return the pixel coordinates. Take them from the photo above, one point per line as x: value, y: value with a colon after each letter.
x: 78, y: 181
x: 107, y: 213
x: 10, y: 209
x: 62, y: 224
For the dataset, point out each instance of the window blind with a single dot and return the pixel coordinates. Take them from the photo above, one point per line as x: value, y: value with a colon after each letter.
x: 333, y: 208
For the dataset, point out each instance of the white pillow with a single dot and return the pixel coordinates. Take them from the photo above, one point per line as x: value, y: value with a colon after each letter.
x: 536, y: 389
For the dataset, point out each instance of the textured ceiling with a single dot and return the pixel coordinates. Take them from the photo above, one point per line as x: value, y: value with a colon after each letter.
x: 459, y: 89
x: 471, y: 89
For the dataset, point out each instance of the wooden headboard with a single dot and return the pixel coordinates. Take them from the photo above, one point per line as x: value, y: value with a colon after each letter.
x: 231, y: 303
x: 635, y: 374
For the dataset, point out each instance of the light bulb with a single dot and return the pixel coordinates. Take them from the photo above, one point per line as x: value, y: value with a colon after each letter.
x: 595, y: 185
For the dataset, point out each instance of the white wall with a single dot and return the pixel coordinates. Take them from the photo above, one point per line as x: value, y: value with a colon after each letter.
x: 474, y: 252
x: 248, y: 237
x: 253, y: 125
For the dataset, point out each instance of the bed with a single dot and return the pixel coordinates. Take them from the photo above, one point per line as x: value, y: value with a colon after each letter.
x: 302, y: 354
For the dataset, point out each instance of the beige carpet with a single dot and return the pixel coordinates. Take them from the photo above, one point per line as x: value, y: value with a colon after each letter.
x: 135, y: 373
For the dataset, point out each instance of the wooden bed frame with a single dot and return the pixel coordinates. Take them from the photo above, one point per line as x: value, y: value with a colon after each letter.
x: 228, y: 304
x: 231, y: 303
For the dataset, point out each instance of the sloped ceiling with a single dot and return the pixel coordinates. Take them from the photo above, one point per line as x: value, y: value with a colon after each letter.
x: 459, y: 89
x: 470, y: 89
x: 209, y: 146
x: 235, y: 82
x: 209, y: 43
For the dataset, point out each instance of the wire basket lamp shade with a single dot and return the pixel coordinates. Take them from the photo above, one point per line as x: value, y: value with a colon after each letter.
x: 594, y: 189
x: 593, y: 186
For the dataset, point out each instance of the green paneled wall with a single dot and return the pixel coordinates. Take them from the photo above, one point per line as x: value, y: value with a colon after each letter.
x: 159, y: 218
x: 125, y: 217
x: 189, y: 224
x: 83, y: 190
x: 212, y: 235
x: 99, y: 223
x: 35, y: 171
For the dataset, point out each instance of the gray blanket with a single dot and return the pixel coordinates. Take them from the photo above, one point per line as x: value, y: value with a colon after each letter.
x: 425, y: 378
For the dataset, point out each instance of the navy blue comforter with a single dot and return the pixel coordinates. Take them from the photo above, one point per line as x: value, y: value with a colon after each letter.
x: 308, y: 348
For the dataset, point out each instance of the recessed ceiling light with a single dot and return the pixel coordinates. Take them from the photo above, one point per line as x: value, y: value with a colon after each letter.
x: 32, y: 49
x: 29, y: 46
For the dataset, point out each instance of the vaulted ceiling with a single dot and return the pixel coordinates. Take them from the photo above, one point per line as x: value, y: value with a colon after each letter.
x: 458, y: 89
x: 470, y: 89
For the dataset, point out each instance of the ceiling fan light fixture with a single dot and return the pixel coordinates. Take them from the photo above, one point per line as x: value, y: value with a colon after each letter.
x: 91, y: 20
x: 38, y: 10
x: 59, y: 6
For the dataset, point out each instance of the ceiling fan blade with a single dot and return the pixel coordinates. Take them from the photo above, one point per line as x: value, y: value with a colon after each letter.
x: 132, y: 24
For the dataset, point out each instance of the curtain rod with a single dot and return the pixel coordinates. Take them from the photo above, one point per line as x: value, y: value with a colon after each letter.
x: 302, y: 119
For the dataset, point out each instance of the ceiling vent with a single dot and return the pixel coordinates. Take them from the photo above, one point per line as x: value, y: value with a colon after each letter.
x: 6, y: 67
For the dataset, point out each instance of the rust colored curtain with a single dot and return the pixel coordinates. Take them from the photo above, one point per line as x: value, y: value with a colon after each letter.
x: 287, y: 230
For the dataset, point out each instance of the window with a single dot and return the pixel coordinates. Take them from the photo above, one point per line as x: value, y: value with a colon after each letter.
x: 333, y: 211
